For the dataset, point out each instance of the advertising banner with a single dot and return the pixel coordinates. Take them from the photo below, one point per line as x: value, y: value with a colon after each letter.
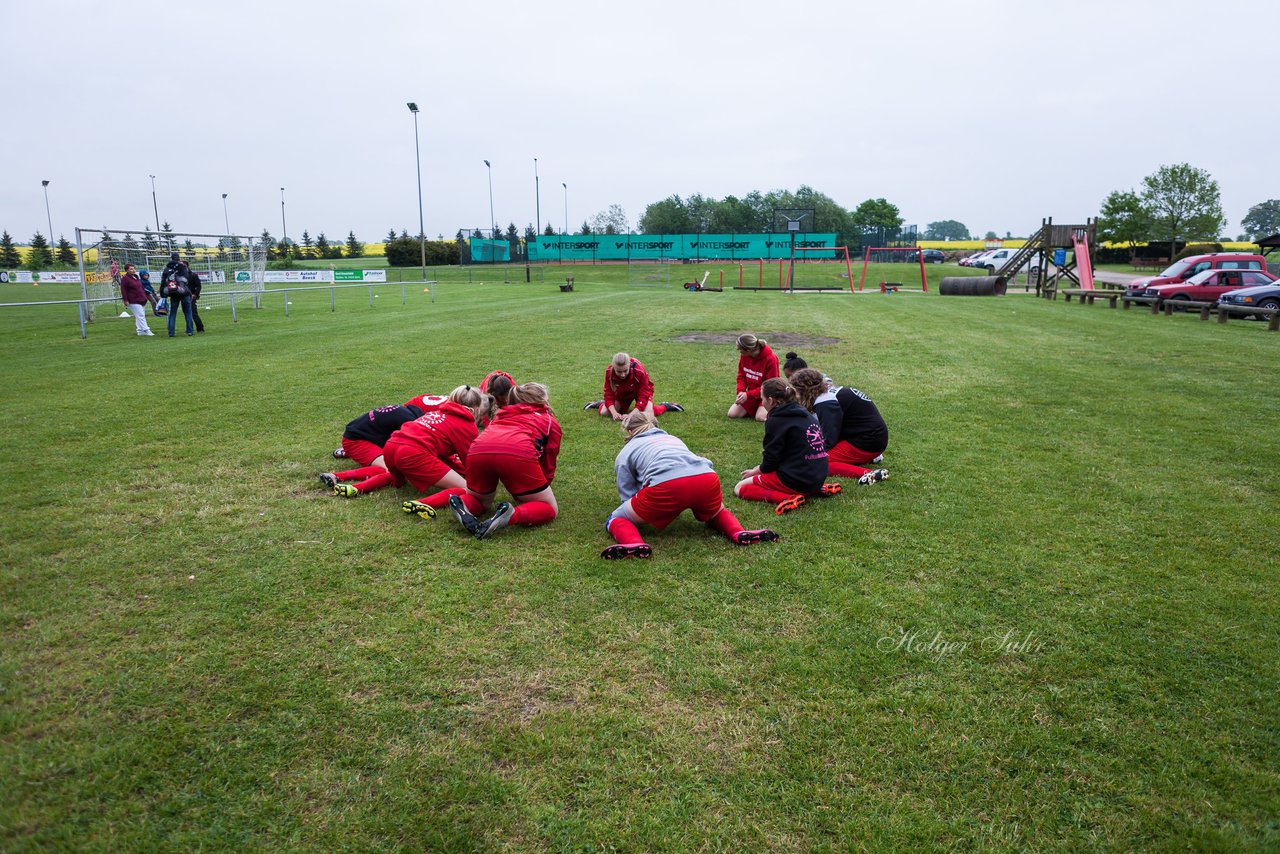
x: 311, y: 277
x: 359, y: 275
x: 70, y: 278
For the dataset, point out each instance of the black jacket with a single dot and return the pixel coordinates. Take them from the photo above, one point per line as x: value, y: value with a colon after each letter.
x: 793, y: 447
x: 848, y: 414
x: 377, y: 425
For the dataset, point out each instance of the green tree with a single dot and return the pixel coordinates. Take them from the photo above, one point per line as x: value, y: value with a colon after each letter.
x: 324, y: 249
x: 1262, y: 220
x: 550, y: 230
x: 732, y: 215
x: 1183, y: 203
x: 166, y: 237
x: 529, y: 234
x: 391, y: 235
x: 149, y: 239
x: 512, y: 234
x: 307, y: 243
x: 611, y: 221
x: 586, y: 227
x: 66, y: 255
x: 355, y: 249
x: 10, y: 258
x: 990, y: 235
x: 40, y: 255
x: 1124, y: 219
x: 877, y: 214
x: 946, y: 229
x: 669, y: 216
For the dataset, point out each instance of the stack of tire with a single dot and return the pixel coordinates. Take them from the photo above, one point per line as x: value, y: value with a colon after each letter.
x: 972, y: 286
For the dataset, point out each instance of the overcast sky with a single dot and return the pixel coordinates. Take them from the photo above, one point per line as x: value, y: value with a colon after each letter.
x: 992, y: 113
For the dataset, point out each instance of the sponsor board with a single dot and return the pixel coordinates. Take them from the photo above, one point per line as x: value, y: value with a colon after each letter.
x: 51, y: 276
x: 359, y: 275
x: 297, y: 276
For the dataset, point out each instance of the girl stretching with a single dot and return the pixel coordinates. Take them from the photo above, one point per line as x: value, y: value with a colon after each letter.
x: 421, y: 450
x: 363, y: 441
x: 756, y: 363
x: 658, y: 479
x: 852, y: 427
x: 795, y: 459
x: 518, y: 450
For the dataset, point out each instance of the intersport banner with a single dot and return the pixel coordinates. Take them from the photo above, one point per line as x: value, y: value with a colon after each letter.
x: 640, y: 247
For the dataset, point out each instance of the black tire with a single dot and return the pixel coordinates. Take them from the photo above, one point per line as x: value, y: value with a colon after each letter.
x: 1270, y: 302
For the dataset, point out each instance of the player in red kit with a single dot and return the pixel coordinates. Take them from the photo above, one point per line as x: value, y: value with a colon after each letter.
x: 421, y: 451
x: 658, y: 479
x: 519, y: 450
x: 756, y: 363
x: 363, y: 441
x: 626, y: 382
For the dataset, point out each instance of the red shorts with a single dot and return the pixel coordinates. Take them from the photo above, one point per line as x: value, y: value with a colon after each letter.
x: 518, y: 475
x: 421, y: 467
x: 361, y: 451
x: 843, y: 452
x: 622, y: 404
x: 771, y: 481
x: 751, y: 406
x: 661, y: 503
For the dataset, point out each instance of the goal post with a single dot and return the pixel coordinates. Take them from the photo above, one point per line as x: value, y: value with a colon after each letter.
x: 227, y: 264
x: 819, y: 268
x: 884, y: 257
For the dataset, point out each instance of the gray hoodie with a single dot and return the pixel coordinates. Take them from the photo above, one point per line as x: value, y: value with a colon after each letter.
x: 655, y: 456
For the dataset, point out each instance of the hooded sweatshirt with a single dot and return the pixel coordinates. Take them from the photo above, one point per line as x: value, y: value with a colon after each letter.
x: 794, y: 448
x: 754, y: 370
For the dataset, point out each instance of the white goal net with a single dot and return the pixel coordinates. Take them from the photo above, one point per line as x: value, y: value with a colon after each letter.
x: 225, y: 263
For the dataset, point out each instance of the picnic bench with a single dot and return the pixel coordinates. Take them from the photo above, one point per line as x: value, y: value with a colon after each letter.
x: 1088, y: 295
x: 1129, y: 299
x: 1148, y: 263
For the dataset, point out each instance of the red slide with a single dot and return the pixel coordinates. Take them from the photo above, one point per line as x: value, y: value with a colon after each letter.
x: 1084, y: 265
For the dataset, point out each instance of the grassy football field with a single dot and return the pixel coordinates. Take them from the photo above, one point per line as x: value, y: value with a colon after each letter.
x: 1053, y: 628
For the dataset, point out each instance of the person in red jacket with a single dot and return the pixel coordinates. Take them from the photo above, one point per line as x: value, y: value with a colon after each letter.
x: 519, y: 450
x: 135, y: 299
x: 626, y: 382
x: 424, y: 449
x: 756, y: 363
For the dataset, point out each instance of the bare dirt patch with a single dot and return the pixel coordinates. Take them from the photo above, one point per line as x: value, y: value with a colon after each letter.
x: 776, y: 340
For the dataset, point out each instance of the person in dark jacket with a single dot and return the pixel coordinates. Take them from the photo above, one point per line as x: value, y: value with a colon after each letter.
x: 193, y: 283
x: 852, y: 427
x: 177, y: 271
x: 794, y: 462
x: 135, y: 300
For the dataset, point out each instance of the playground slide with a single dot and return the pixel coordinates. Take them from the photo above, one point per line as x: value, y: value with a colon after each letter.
x: 1084, y: 264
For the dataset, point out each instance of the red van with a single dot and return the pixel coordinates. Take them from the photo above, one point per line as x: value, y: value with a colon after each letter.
x: 1185, y: 268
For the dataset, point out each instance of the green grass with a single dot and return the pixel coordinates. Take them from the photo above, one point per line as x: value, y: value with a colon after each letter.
x: 201, y: 650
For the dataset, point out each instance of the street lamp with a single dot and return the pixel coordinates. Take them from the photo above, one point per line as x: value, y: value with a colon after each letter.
x: 225, y: 219
x: 566, y: 206
x: 417, y: 159
x: 284, y: 229
x: 493, y: 233
x: 45, y: 184
x: 537, y: 196
x: 155, y: 207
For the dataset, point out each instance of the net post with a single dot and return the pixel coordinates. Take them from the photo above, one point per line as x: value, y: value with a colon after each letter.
x: 371, y: 296
x: 286, y: 303
x: 80, y: 310
x: 331, y: 306
x: 404, y: 298
x: 234, y: 319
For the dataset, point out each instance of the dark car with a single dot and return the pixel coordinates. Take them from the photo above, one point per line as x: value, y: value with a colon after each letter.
x: 931, y: 256
x: 1259, y: 296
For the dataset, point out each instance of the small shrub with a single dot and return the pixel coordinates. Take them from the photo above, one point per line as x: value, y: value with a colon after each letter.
x: 408, y: 253
x: 1198, y: 249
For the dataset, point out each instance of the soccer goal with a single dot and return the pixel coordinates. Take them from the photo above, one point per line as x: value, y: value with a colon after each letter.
x: 225, y: 263
x: 649, y: 273
x: 894, y: 269
x: 819, y: 268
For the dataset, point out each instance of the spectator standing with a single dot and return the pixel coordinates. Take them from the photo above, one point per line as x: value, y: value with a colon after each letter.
x: 135, y: 300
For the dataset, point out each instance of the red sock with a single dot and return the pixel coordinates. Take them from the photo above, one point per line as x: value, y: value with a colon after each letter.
x: 846, y: 470
x: 533, y: 513
x: 752, y: 492
x: 359, y: 474
x: 726, y: 523
x: 658, y: 409
x: 625, y: 532
x: 382, y: 479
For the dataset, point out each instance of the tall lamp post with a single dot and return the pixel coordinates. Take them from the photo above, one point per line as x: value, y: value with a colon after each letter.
x: 155, y: 207
x: 226, y: 220
x: 537, y: 197
x: 566, y: 206
x: 422, y: 228
x: 493, y: 233
x: 45, y: 184
x: 284, y: 228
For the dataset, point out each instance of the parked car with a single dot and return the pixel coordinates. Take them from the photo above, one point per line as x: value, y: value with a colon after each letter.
x: 1208, y: 285
x: 969, y: 259
x: 1258, y: 296
x: 976, y: 260
x: 1184, y: 268
x: 931, y: 256
x: 997, y: 258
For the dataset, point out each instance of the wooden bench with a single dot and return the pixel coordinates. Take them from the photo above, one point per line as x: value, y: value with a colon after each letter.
x: 1225, y: 311
x: 1148, y: 263
x: 1169, y: 306
x: 1154, y: 302
x: 1088, y: 295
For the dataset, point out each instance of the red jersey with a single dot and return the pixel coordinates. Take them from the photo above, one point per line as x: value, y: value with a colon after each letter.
x: 425, y: 401
x: 752, y: 372
x: 524, y: 430
x: 634, y: 386
x: 445, y: 428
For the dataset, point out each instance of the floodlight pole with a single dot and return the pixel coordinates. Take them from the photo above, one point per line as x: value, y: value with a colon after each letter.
x: 284, y: 228
x: 537, y: 197
x: 225, y: 219
x: 422, y: 228
x: 566, y: 207
x: 493, y: 227
x: 48, y: 215
x: 154, y: 206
